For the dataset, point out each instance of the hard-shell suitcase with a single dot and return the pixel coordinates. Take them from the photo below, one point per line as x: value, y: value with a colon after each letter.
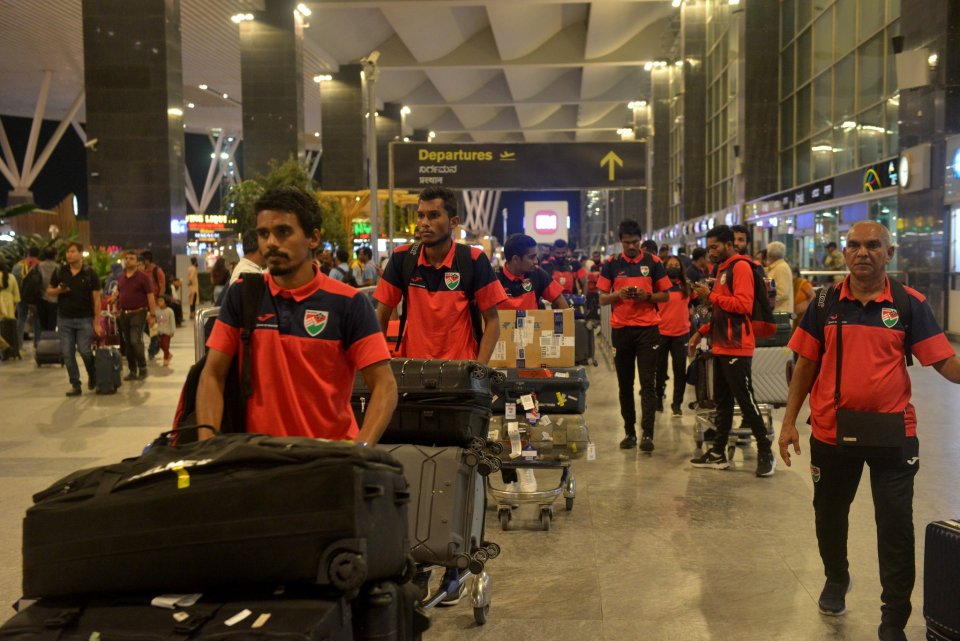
x: 941, y: 580
x: 237, y: 509
x: 578, y: 303
x: 564, y: 434
x: 447, y: 505
x: 769, y: 375
x: 9, y: 333
x: 442, y: 403
x: 389, y: 611
x: 107, y: 365
x: 700, y: 374
x: 585, y: 350
x: 558, y: 390
x: 783, y: 333
x: 48, y: 349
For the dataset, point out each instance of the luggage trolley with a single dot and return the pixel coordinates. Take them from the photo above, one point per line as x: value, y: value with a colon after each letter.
x: 545, y: 499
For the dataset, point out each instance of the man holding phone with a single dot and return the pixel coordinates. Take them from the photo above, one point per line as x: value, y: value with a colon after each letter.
x: 76, y: 287
x: 633, y: 283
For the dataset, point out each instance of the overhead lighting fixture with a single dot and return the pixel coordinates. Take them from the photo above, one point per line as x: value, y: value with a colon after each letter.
x: 237, y: 18
x: 304, y: 9
x: 175, y: 111
x: 677, y: 3
x: 190, y: 105
x: 847, y: 125
x: 202, y: 87
x: 432, y: 135
x: 648, y: 66
x: 821, y: 148
x: 230, y: 139
x: 405, y: 110
x: 316, y: 134
x: 406, y: 139
x: 225, y: 96
x: 636, y: 104
x: 224, y: 155
x: 323, y: 77
x: 932, y: 60
x: 679, y: 63
x: 733, y: 3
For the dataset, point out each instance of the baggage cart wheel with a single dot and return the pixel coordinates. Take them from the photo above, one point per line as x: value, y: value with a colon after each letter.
x: 493, y: 550
x: 545, y: 519
x: 476, y: 444
x: 569, y: 503
x: 699, y: 445
x: 495, y: 448
x: 480, y: 614
x: 496, y: 463
x: 485, y: 467
x: 471, y: 458
x: 347, y: 571
x: 505, y: 516
x: 731, y: 450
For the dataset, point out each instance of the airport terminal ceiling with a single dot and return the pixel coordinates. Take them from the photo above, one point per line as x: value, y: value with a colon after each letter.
x: 496, y: 71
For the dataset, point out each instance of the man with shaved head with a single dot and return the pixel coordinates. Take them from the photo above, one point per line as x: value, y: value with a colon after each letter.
x: 852, y: 345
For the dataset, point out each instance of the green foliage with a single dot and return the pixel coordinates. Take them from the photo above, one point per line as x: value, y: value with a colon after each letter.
x: 240, y: 199
x: 102, y: 259
x: 17, y: 249
x: 19, y: 210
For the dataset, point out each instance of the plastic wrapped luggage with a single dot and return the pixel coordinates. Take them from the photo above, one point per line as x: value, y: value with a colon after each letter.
x: 941, y: 580
x: 563, y: 434
x: 237, y: 509
x: 441, y: 403
x: 783, y: 333
x: 558, y: 391
x: 447, y: 505
x: 107, y: 365
x: 48, y: 349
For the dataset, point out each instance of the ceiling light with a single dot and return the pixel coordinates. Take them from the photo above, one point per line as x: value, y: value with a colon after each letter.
x: 190, y: 105
x: 405, y: 110
x: 202, y: 87
x: 821, y: 148
x: 733, y: 3
x: 406, y: 139
x: 648, y: 66
x: 679, y: 63
x: 432, y: 135
x: 175, y: 111
x: 241, y: 17
x: 932, y: 60
x: 677, y: 3
x: 848, y: 125
x: 304, y: 9
x: 323, y: 77
x: 230, y: 139
x: 316, y: 134
x: 225, y: 96
x: 224, y: 155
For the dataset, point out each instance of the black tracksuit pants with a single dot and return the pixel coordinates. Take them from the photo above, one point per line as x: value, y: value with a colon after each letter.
x: 637, y: 349
x: 836, y: 475
x: 732, y: 381
x: 673, y: 347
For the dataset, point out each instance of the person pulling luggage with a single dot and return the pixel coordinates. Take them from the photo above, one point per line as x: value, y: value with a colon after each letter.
x: 312, y: 334
x: 525, y: 283
x: 851, y: 346
x: 633, y: 283
x: 76, y: 288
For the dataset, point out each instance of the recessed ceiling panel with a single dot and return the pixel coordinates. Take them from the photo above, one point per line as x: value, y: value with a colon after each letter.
x: 457, y: 84
x: 521, y: 28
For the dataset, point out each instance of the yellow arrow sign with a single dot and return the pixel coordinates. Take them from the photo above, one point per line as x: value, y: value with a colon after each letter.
x: 612, y: 160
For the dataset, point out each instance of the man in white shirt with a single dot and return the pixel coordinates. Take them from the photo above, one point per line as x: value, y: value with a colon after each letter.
x: 780, y: 273
x: 252, y: 261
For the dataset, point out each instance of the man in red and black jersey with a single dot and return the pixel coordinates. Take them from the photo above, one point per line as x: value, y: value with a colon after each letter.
x: 524, y: 282
x: 732, y: 344
x: 569, y: 273
x: 437, y: 298
x: 633, y: 283
x: 877, y: 333
x: 311, y: 336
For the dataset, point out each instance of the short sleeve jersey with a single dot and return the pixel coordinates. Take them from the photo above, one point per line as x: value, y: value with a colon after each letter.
x: 647, y: 273
x: 675, y: 313
x: 438, y: 319
x: 307, y: 345
x: 875, y: 377
x: 566, y: 272
x: 525, y: 292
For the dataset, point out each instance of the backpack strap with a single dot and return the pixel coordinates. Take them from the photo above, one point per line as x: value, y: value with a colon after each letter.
x: 825, y: 296
x: 407, y: 268
x: 463, y: 261
x: 901, y: 300
x: 251, y: 293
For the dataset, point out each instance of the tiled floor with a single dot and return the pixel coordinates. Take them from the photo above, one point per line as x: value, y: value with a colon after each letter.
x: 653, y: 549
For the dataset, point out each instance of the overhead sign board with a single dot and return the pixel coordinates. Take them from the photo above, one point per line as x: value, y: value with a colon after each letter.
x: 574, y: 165
x: 545, y: 221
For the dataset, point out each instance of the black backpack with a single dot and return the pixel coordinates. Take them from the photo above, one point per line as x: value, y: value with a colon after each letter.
x: 32, y: 291
x: 348, y: 278
x: 237, y: 388
x: 463, y: 263
x: 761, y: 318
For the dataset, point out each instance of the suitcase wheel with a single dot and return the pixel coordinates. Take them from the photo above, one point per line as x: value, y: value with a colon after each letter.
x: 480, y: 614
x: 495, y: 448
x: 504, y: 514
x: 493, y: 550
x: 569, y: 503
x: 347, y: 571
x: 546, y: 518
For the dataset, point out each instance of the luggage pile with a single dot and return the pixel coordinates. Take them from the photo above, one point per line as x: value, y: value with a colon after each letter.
x: 540, y: 425
x: 438, y: 433
x: 243, y: 536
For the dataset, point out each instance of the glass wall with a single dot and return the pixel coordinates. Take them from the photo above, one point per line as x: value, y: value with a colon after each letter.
x: 676, y: 143
x: 838, y: 93
x: 723, y: 47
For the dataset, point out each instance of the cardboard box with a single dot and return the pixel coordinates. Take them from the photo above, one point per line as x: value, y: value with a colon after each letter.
x: 535, y: 338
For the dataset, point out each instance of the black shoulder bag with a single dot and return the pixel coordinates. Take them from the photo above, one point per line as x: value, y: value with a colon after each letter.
x: 884, y: 433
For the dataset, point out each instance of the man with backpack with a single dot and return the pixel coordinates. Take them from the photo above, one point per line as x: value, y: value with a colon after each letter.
x: 47, y: 307
x: 342, y: 270
x: 29, y: 299
x: 446, y: 288
x: 733, y: 331
x: 854, y: 345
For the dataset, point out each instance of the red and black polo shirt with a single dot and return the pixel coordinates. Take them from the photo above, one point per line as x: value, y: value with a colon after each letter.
x: 438, y: 318
x: 875, y: 377
x: 646, y: 272
x: 566, y: 272
x: 306, y: 347
x: 525, y: 292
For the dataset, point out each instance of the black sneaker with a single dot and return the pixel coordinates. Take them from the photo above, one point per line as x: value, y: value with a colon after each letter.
x: 142, y: 375
x: 888, y: 632
x: 833, y: 601
x: 712, y: 460
x: 74, y: 391
x: 91, y: 384
x: 676, y: 410
x: 766, y: 464
x: 646, y: 443
x: 132, y: 376
x: 659, y: 404
x: 629, y: 442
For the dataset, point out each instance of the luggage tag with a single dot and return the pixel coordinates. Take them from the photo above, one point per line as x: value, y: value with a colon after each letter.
x: 591, y: 451
x: 171, y: 601
x: 529, y: 452
x: 545, y: 420
x: 513, y: 431
x: 510, y: 411
x: 561, y: 374
x: 527, y: 402
x: 237, y: 618
x: 261, y: 620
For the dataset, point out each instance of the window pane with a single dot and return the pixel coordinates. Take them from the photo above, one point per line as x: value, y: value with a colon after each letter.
x: 845, y: 104
x: 845, y: 147
x: 822, y: 100
x: 803, y: 113
x: 786, y: 21
x: 893, y: 127
x: 871, y: 17
x: 845, y: 39
x: 823, y: 41
x: 786, y: 123
x: 821, y: 151
x: 892, y: 62
x: 871, y: 71
x: 803, y: 163
x: 786, y: 169
x: 786, y: 72
x: 804, y: 45
x: 804, y: 13
x: 893, y: 10
x: 872, y: 135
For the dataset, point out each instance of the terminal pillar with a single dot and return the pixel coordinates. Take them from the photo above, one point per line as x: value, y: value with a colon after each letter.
x: 693, y: 170
x: 342, y: 131
x: 271, y: 75
x: 661, y: 148
x: 389, y: 124
x: 755, y: 156
x: 134, y: 100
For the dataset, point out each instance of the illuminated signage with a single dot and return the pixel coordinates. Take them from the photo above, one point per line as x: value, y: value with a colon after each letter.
x: 956, y: 165
x: 545, y: 222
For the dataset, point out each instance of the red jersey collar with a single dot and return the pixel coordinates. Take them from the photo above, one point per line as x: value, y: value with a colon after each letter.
x: 447, y: 262
x: 510, y: 276
x: 633, y: 261
x: 887, y: 295
x: 300, y: 293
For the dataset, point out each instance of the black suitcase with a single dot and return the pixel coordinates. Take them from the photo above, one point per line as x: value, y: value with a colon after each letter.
x: 238, y: 509
x: 442, y: 403
x: 558, y: 391
x: 8, y: 331
x: 941, y: 580
x: 48, y: 349
x: 781, y: 337
x: 585, y: 346
x: 107, y: 365
x: 389, y: 612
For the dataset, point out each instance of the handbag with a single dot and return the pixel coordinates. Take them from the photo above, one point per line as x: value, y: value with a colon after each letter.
x: 884, y: 432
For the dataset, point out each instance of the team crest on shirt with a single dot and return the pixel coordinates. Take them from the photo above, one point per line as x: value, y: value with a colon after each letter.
x: 815, y: 473
x: 889, y: 316
x: 315, y: 322
x: 527, y: 285
x: 451, y: 280
x: 644, y: 270
x: 563, y: 280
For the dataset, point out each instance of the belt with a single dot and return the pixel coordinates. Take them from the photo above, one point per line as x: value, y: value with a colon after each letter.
x: 132, y: 311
